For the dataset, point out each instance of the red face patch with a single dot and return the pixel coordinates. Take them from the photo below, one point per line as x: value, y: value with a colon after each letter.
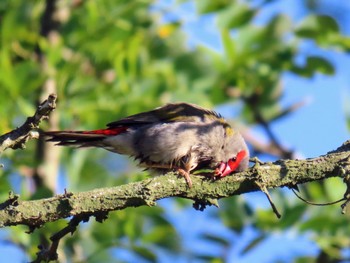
x: 231, y: 165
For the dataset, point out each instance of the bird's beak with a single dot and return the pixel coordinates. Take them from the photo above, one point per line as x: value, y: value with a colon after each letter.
x: 225, y: 168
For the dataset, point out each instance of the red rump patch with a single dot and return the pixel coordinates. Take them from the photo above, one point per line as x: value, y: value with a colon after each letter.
x: 109, y: 131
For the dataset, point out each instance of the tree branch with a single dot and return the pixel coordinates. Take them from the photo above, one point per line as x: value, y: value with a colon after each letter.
x: 18, y: 137
x: 147, y: 192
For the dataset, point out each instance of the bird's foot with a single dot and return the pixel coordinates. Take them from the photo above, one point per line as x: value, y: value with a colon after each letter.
x: 181, y: 171
x: 186, y: 175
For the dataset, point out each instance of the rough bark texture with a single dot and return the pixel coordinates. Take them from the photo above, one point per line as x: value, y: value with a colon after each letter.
x: 17, y: 138
x: 204, y: 191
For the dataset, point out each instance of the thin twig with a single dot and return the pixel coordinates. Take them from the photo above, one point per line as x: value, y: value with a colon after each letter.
x: 50, y: 254
x: 317, y: 204
x: 17, y: 138
x: 263, y: 188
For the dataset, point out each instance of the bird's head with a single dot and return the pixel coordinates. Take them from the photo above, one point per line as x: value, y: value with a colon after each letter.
x: 236, y: 152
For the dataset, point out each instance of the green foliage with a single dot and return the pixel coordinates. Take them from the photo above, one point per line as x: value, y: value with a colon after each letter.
x: 108, y: 59
x: 324, y: 30
x: 207, y: 6
x: 318, y: 27
x: 235, y: 15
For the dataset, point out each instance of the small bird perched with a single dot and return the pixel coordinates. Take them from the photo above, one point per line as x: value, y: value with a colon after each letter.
x: 179, y: 136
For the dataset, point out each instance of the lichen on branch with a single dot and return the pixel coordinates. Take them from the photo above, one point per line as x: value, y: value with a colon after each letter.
x: 271, y: 175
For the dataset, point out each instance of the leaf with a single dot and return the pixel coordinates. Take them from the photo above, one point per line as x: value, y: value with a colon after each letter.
x: 334, y: 187
x: 232, y: 213
x: 323, y: 223
x: 229, y: 45
x: 319, y: 64
x: 164, y: 236
x: 316, y: 26
x: 208, y: 6
x: 166, y: 30
x: 216, y: 239
x: 292, y: 215
x: 314, y: 64
x: 265, y: 220
x: 235, y: 16
x: 145, y: 253
x: 255, y: 242
x: 278, y: 26
x: 209, y: 259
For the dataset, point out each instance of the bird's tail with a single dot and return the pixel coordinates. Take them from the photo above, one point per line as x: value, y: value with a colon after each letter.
x: 82, y: 138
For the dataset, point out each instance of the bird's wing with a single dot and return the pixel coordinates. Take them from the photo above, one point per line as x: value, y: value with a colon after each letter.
x: 183, y: 112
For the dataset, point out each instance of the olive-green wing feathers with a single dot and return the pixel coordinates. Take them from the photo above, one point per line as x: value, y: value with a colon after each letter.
x: 184, y: 112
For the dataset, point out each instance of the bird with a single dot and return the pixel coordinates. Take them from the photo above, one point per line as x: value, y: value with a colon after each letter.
x: 180, y: 137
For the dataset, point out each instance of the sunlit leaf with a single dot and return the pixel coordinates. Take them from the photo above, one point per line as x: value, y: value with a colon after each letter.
x: 229, y: 45
x: 207, y: 6
x: 313, y: 25
x: 235, y: 15
x: 292, y: 215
